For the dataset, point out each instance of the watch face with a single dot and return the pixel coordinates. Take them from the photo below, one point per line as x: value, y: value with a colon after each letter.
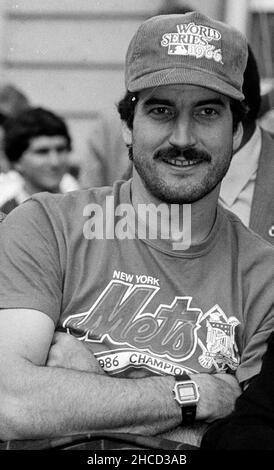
x: 186, y: 393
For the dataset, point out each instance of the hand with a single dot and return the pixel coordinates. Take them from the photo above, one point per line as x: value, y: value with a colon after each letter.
x: 71, y: 353
x: 218, y: 393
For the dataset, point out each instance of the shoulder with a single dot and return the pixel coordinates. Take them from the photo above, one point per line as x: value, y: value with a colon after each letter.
x: 252, y: 263
x: 73, y: 199
x: 65, y: 208
x: 246, y: 239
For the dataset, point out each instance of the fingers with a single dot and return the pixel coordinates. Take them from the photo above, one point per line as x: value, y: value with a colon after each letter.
x: 62, y: 338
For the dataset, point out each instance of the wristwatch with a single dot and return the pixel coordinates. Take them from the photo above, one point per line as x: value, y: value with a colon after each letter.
x: 187, y: 395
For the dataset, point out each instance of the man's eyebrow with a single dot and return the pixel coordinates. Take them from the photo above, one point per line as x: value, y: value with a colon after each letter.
x: 167, y: 102
x: 162, y: 101
x: 216, y: 101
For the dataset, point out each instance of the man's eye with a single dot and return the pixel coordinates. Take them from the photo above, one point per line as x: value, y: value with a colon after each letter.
x: 208, y: 112
x: 41, y: 151
x: 161, y: 112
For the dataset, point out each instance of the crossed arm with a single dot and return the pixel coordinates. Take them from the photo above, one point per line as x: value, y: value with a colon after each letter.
x: 51, y: 385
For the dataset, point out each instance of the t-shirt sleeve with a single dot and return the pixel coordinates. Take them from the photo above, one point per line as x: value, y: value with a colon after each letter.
x: 251, y: 360
x: 30, y: 268
x: 259, y: 323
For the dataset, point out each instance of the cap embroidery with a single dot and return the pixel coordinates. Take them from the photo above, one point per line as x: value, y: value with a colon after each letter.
x: 193, y: 40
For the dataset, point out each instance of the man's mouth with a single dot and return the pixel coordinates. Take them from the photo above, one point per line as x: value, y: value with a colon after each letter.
x: 181, y: 162
x: 183, y: 159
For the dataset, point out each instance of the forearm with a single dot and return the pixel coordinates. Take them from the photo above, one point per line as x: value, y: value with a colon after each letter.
x: 45, y: 401
x: 218, y: 394
x: 73, y: 394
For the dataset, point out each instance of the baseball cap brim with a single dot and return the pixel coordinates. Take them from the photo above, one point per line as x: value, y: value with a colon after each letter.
x: 185, y: 76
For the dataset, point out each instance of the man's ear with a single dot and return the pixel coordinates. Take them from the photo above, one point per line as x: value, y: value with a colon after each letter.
x: 237, y: 137
x: 127, y: 134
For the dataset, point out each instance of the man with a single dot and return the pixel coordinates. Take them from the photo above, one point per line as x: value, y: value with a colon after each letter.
x: 247, y: 188
x: 37, y: 145
x: 168, y: 327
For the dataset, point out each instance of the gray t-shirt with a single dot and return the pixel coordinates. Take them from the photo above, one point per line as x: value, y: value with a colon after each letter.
x: 140, y: 306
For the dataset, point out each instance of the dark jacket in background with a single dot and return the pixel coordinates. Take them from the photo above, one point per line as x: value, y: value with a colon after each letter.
x: 251, y: 425
x: 262, y: 209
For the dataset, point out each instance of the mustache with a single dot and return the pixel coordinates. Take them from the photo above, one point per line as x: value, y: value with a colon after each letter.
x: 188, y: 154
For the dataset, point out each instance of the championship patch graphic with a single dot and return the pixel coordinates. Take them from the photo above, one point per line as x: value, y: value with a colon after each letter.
x: 131, y: 333
x: 220, y: 349
x: 193, y: 40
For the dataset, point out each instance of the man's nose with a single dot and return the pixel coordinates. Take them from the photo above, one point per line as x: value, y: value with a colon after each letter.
x: 55, y: 159
x: 182, y: 134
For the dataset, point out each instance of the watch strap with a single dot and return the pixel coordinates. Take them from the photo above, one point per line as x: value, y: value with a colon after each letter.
x: 188, y: 411
x: 188, y: 414
x: 182, y: 377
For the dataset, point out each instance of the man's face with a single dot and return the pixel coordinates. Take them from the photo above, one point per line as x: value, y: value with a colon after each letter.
x: 44, y: 163
x: 182, y: 141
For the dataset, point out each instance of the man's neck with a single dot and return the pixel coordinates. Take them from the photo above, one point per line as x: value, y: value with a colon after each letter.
x: 202, y: 213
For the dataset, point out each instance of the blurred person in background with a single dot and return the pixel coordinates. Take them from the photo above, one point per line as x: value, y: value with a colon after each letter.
x: 12, y: 102
x: 247, y: 188
x: 37, y: 145
x: 106, y: 158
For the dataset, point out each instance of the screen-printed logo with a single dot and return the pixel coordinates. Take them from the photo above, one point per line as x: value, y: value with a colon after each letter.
x: 193, y: 40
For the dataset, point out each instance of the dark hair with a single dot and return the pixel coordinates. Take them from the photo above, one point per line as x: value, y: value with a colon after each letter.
x: 12, y: 101
x: 33, y: 122
x: 251, y: 87
x: 126, y: 109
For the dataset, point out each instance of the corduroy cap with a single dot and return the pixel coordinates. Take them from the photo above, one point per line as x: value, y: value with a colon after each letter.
x: 187, y: 49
